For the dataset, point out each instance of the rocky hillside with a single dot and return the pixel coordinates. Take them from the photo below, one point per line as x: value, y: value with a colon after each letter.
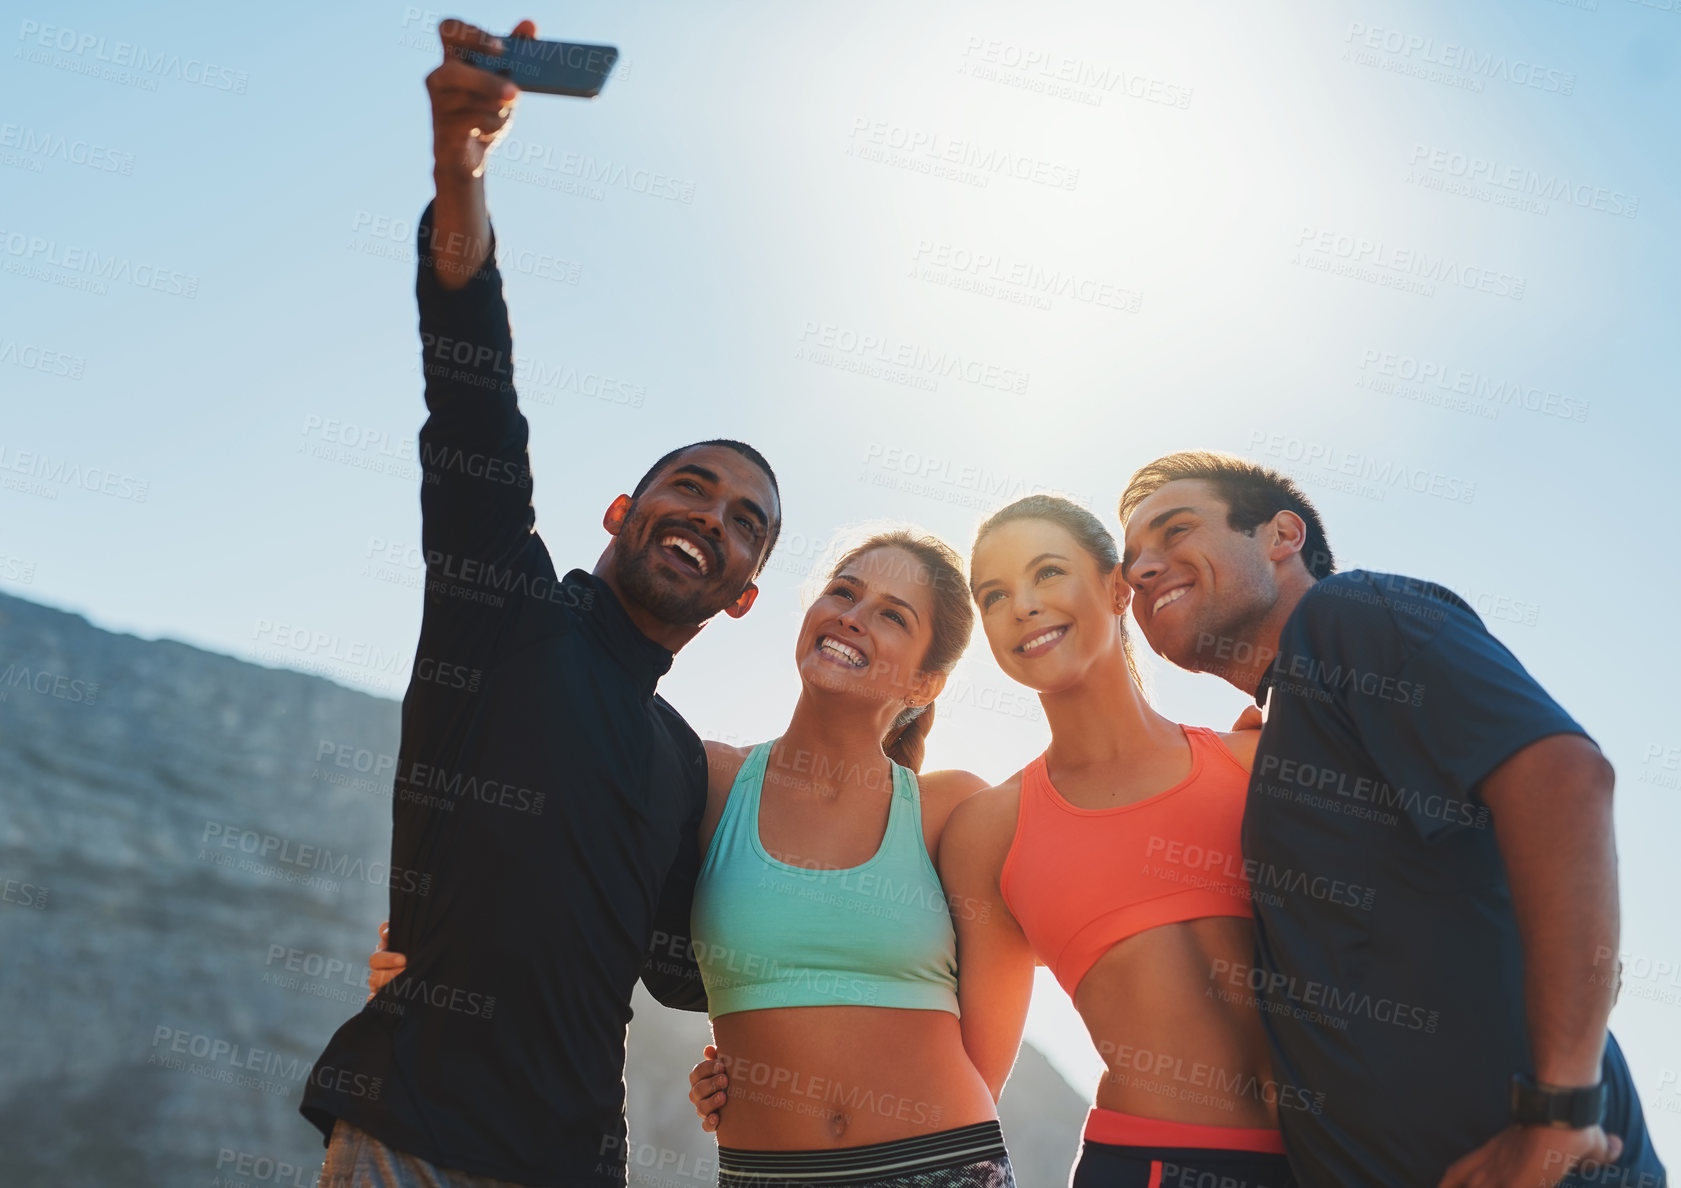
x: 166, y: 981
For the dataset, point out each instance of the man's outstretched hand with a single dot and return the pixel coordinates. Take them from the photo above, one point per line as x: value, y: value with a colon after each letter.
x: 471, y: 109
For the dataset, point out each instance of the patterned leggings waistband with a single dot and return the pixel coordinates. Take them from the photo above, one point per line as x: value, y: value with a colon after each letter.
x: 856, y: 1165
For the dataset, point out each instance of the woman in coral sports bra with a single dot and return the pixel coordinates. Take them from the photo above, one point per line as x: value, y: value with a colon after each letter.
x: 1114, y: 857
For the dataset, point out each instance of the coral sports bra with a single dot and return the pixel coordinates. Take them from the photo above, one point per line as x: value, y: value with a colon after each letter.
x: 1078, y: 881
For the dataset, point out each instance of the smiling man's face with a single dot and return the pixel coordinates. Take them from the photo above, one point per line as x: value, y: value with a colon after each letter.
x: 689, y: 545
x: 1197, y: 581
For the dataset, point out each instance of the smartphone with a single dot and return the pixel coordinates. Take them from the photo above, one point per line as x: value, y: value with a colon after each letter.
x: 549, y: 67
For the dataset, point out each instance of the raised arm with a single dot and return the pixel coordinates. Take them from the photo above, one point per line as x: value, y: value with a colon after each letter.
x: 470, y: 111
x: 994, y: 960
x: 476, y: 497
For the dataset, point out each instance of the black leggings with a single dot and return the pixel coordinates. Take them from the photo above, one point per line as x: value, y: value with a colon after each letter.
x: 965, y: 1157
x: 1103, y: 1165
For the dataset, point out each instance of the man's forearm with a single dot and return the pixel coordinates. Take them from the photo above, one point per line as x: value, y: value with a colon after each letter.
x: 1551, y: 804
x: 460, y: 226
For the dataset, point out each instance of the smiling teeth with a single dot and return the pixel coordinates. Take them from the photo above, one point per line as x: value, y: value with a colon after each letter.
x: 1170, y: 596
x: 677, y: 542
x: 851, y: 655
x: 1039, y: 641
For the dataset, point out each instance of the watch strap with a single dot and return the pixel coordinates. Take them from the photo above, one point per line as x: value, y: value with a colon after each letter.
x: 1534, y: 1104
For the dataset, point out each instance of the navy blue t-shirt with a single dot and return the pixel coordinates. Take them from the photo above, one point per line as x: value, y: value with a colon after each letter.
x: 1398, y: 1013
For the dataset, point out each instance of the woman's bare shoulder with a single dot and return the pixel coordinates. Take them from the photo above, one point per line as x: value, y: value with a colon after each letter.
x: 723, y: 764
x: 991, y: 810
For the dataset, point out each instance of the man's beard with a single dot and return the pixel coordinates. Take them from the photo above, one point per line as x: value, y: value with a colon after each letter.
x: 642, y: 583
x: 1220, y: 629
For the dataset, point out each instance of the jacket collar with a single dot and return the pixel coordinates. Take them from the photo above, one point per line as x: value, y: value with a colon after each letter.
x: 643, y: 659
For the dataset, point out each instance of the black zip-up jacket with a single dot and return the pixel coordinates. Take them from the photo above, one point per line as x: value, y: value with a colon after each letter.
x: 543, y: 850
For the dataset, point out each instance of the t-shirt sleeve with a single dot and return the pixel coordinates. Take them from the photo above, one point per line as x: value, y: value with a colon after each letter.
x: 1458, y: 705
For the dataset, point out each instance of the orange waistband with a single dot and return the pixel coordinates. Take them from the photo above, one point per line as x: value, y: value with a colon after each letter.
x: 1130, y: 1130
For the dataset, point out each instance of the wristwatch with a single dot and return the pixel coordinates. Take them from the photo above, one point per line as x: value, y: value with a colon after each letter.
x: 1534, y: 1104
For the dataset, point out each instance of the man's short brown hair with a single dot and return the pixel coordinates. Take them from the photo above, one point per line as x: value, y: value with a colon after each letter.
x: 1253, y: 493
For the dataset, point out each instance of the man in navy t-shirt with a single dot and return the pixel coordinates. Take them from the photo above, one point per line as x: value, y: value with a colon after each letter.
x: 1453, y: 1017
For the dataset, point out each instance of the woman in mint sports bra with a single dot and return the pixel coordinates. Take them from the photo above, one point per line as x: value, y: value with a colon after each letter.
x: 823, y: 934
x: 822, y: 931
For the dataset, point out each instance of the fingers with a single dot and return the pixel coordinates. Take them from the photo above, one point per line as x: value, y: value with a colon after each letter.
x: 1249, y: 719
x: 526, y: 28
x: 384, y: 936
x: 707, y: 1084
x: 708, y: 1092
x: 382, y: 967
x: 458, y: 88
x: 458, y: 36
x: 1603, y: 1148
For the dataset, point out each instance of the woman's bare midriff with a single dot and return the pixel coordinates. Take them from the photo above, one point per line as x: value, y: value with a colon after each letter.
x: 1180, y: 1043
x: 844, y: 1076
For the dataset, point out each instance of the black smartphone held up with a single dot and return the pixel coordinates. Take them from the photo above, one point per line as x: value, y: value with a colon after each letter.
x: 549, y: 67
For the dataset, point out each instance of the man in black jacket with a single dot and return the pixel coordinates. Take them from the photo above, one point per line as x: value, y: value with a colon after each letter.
x: 546, y: 800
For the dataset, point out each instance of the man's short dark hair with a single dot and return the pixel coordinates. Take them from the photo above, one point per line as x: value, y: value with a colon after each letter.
x: 772, y: 529
x: 1254, y: 493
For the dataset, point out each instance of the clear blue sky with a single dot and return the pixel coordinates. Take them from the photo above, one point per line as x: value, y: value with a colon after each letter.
x: 1421, y: 255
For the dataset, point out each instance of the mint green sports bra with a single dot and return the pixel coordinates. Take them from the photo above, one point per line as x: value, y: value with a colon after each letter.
x: 767, y: 934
